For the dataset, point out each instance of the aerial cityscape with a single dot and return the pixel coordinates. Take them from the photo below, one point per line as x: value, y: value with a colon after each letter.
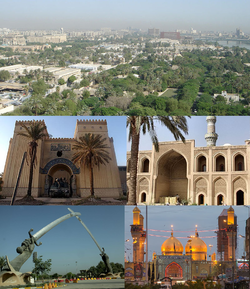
x: 125, y: 144
x: 118, y: 65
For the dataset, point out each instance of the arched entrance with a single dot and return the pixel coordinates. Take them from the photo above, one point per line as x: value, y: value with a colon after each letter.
x: 172, y: 176
x: 240, y: 198
x: 143, y: 197
x: 220, y: 200
x: 60, y: 173
x: 173, y: 270
x: 60, y: 176
x: 201, y: 199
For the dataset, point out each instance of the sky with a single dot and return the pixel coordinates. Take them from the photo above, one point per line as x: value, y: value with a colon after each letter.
x: 167, y: 15
x: 64, y: 127
x: 230, y: 129
x: 184, y: 219
x: 68, y: 242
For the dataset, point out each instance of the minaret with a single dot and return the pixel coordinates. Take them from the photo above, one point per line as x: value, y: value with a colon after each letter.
x: 211, y: 136
x: 138, y: 235
x: 231, y: 234
x: 227, y: 235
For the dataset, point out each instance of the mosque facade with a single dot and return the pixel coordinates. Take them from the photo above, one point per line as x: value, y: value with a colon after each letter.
x: 54, y: 162
x: 181, y: 172
x: 175, y: 262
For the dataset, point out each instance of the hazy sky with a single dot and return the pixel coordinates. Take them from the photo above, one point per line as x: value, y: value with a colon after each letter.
x: 183, y: 219
x: 167, y: 15
x: 64, y: 127
x: 230, y: 129
x: 68, y: 242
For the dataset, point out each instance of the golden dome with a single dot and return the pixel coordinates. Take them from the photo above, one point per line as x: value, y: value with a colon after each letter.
x: 172, y: 246
x: 196, y: 245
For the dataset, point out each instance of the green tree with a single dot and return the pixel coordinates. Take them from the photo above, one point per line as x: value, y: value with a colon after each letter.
x: 71, y: 79
x: 2, y: 262
x: 41, y: 267
x: 61, y: 63
x: 39, y: 87
x: 4, y: 75
x: 55, y: 275
x: 35, y: 104
x: 91, y: 151
x: 86, y: 94
x: 35, y: 131
x: 69, y: 275
x: 84, y: 83
x: 61, y: 81
x: 137, y: 124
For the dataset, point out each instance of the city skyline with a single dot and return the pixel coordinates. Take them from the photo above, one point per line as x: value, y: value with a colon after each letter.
x: 89, y: 15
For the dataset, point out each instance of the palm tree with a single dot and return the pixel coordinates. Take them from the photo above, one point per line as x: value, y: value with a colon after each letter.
x: 34, y: 132
x: 91, y: 151
x: 177, y: 126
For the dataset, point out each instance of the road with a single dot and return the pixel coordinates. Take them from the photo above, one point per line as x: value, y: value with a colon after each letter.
x: 89, y: 284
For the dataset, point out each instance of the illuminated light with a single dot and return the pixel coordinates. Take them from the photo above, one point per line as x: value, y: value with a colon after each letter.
x: 167, y: 231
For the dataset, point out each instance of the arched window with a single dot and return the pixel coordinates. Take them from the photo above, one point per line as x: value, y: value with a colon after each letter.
x: 239, y: 163
x: 202, y: 164
x: 201, y: 200
x: 145, y: 166
x: 220, y: 200
x: 220, y: 164
x: 143, y: 197
x: 240, y: 198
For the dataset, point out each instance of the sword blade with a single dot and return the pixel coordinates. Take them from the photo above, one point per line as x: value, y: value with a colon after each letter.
x: 50, y: 226
x: 87, y: 230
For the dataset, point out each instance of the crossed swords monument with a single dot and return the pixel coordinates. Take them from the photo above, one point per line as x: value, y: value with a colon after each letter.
x: 11, y: 275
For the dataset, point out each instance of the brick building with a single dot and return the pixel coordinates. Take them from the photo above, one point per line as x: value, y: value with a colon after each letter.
x: 54, y: 161
x: 212, y: 175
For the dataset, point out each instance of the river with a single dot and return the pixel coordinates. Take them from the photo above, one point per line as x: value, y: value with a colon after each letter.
x: 234, y: 43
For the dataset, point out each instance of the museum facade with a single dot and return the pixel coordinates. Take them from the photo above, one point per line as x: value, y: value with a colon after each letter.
x: 54, y: 163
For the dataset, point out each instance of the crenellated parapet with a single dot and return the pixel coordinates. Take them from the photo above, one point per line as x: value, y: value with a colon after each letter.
x: 92, y: 121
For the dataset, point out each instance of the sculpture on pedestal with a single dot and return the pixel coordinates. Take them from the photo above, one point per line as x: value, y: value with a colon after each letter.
x: 10, y: 274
